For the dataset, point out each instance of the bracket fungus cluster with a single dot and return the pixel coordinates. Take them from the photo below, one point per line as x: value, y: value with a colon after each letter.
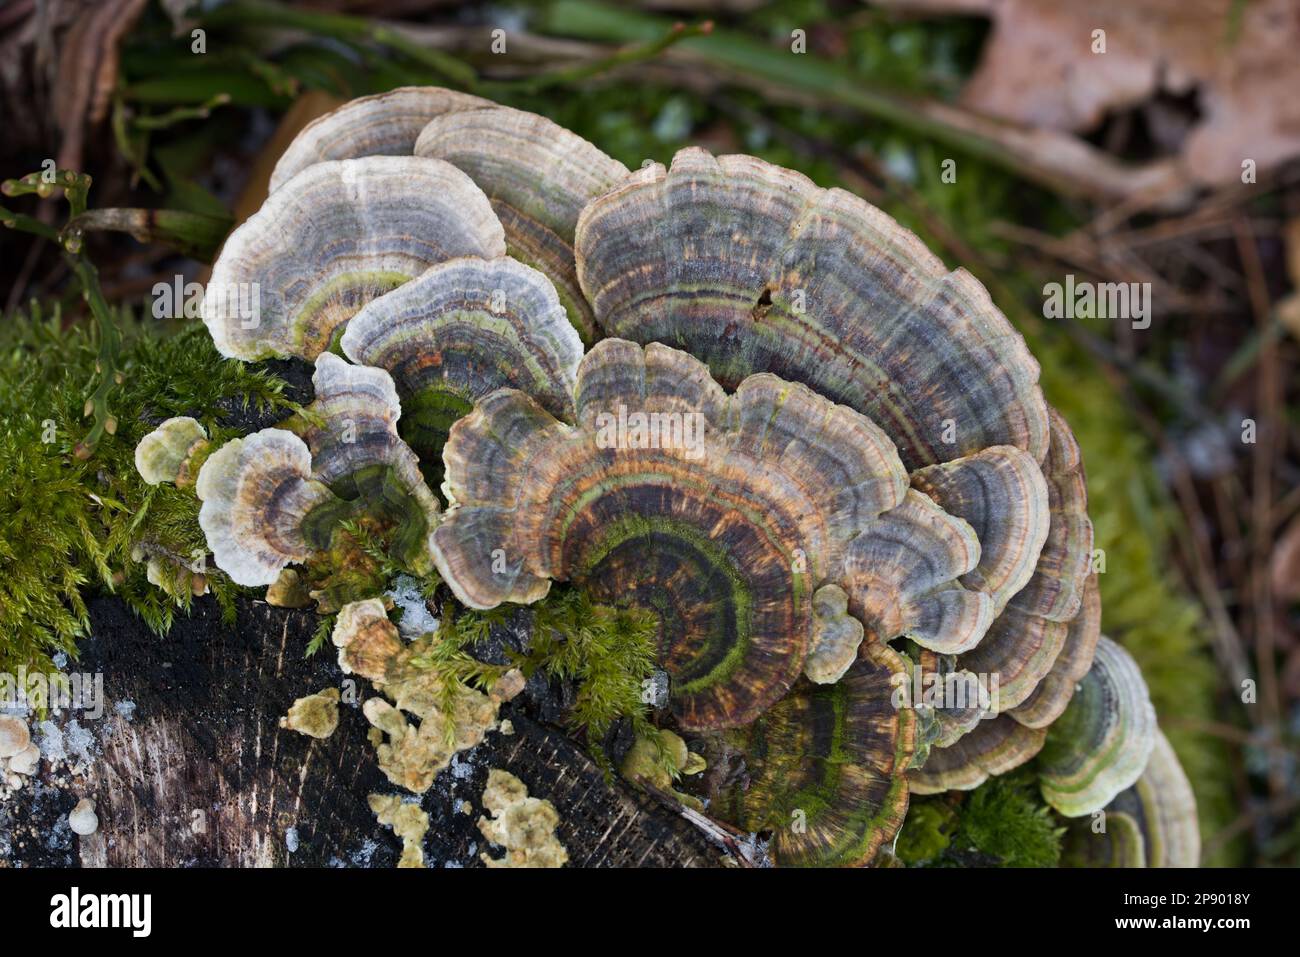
x: 760, y: 410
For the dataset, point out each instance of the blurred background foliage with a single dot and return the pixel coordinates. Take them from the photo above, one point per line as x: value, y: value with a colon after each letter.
x: 162, y: 126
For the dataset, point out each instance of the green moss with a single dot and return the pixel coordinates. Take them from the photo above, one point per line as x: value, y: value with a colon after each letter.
x: 68, y: 525
x: 1001, y: 823
x: 607, y: 653
x: 926, y: 833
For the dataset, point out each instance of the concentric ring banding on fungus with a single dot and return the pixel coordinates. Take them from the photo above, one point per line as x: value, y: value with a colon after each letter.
x: 901, y: 574
x: 753, y: 268
x: 538, y: 176
x: 256, y: 493
x: 994, y: 746
x: 462, y: 329
x: 1121, y: 844
x: 725, y: 524
x: 1002, y: 494
x: 1101, y: 743
x: 1043, y: 623
x: 1055, y: 591
x: 1157, y: 816
x: 351, y: 429
x: 953, y: 699
x: 386, y: 124
x: 1164, y: 806
x: 826, y: 766
x: 333, y: 238
x: 1053, y: 693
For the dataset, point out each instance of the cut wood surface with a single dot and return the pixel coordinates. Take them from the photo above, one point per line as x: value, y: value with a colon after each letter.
x: 189, y: 767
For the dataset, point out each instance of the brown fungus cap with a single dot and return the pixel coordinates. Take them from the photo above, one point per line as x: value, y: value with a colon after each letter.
x: 351, y: 429
x: 1053, y: 693
x: 386, y: 124
x: 460, y: 330
x: 753, y: 268
x: 994, y: 746
x: 538, y: 176
x: 333, y: 238
x: 1042, y: 642
x: 1002, y: 494
x: 722, y: 514
x: 826, y: 766
x: 901, y: 574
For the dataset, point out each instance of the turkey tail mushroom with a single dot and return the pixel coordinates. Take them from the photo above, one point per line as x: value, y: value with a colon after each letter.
x: 753, y: 268
x: 724, y: 524
x: 1102, y: 742
x: 539, y: 176
x: 257, y: 493
x: 333, y: 238
x: 386, y: 124
x: 460, y: 330
x: 994, y: 746
x: 351, y: 429
x: 1151, y: 824
x: 172, y: 452
x: 826, y: 766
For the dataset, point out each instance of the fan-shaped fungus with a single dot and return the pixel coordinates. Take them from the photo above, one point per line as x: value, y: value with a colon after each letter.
x: 256, y: 494
x: 723, y: 515
x: 385, y: 124
x: 1151, y: 824
x: 826, y: 766
x: 332, y: 239
x: 461, y: 330
x: 538, y: 176
x: 169, y: 452
x: 753, y: 268
x: 1101, y: 743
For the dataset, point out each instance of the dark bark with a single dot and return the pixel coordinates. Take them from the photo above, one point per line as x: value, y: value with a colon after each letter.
x: 202, y: 774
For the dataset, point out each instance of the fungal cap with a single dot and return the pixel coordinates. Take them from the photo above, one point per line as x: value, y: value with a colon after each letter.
x: 723, y: 535
x: 827, y: 766
x: 1001, y: 493
x: 351, y: 430
x: 335, y: 237
x: 162, y: 454
x: 836, y: 636
x: 1053, y: 693
x: 1056, y: 589
x: 26, y: 761
x: 383, y: 124
x: 1163, y: 802
x: 1102, y: 742
x: 256, y: 493
x: 538, y: 176
x: 14, y: 736
x: 994, y: 746
x: 460, y: 330
x: 753, y: 268
x: 82, y: 818
x: 901, y: 575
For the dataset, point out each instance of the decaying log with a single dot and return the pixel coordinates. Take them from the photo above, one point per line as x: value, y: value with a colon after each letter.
x: 190, y: 766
